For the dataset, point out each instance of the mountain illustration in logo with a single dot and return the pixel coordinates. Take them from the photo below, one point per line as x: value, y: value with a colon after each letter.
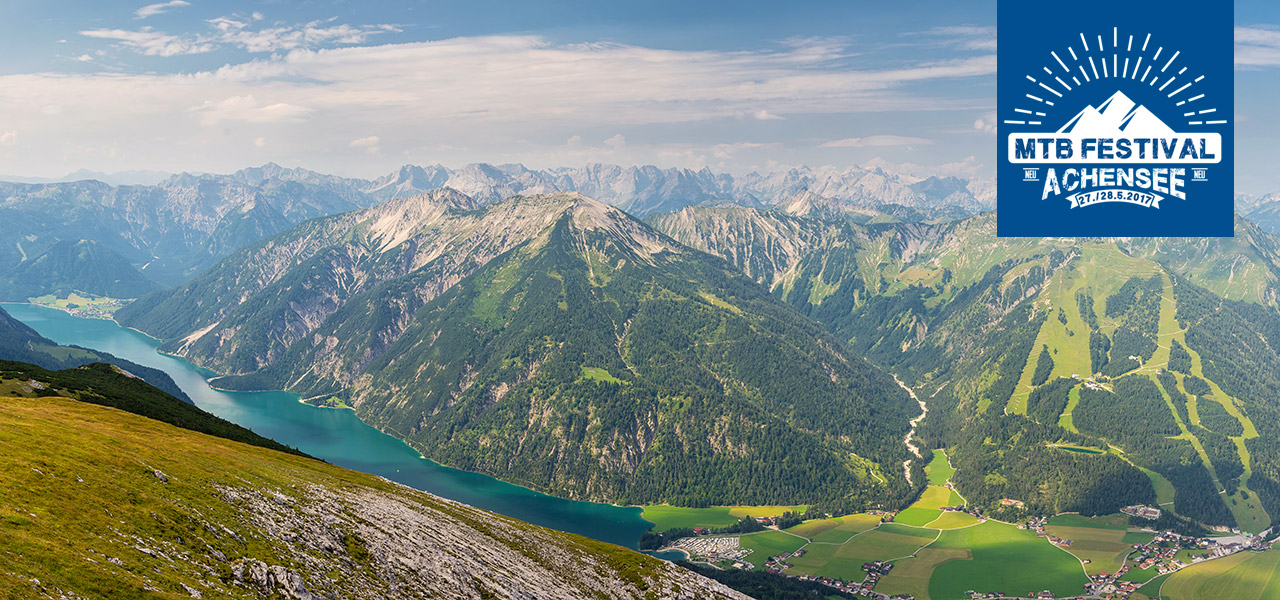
x: 1117, y: 117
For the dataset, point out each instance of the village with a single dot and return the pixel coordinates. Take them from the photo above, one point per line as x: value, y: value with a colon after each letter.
x: 1167, y: 552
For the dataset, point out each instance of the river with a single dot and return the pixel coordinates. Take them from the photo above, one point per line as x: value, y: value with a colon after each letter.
x: 338, y: 436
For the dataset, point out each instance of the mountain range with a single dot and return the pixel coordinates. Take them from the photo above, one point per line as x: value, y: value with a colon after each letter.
x: 1024, y: 346
x: 551, y: 340
x: 125, y: 241
x: 736, y: 346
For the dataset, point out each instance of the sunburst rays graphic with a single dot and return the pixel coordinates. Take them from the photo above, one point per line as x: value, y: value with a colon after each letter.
x: 1125, y: 58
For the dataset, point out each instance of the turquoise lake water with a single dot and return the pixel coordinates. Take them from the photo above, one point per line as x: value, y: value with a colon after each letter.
x: 338, y: 437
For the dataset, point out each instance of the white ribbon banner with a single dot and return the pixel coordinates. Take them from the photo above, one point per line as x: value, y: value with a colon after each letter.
x: 1146, y: 199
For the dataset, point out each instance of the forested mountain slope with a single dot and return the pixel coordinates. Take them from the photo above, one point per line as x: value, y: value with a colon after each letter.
x: 19, y: 342
x: 553, y: 341
x: 1158, y: 352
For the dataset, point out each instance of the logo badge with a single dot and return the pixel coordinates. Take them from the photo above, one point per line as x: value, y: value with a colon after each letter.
x: 1115, y: 119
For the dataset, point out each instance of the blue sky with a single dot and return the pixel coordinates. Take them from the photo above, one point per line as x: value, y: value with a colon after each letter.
x: 359, y: 88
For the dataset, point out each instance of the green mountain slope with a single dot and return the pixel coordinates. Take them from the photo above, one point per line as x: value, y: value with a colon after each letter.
x: 1155, y: 350
x: 99, y: 503
x: 74, y: 266
x: 21, y: 343
x: 554, y: 341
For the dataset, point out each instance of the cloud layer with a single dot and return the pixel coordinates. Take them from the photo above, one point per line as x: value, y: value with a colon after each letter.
x: 475, y: 94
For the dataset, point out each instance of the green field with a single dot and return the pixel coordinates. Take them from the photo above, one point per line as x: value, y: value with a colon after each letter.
x: 769, y: 543
x: 1116, y: 521
x: 671, y: 517
x: 1005, y: 559
x: 844, y: 561
x: 1150, y: 590
x: 1137, y: 537
x: 911, y: 576
x: 936, y: 496
x: 837, y: 530
x: 598, y: 374
x: 939, y: 469
x: 917, y: 517
x: 1243, y: 576
x: 953, y: 520
x: 1104, y: 548
x: 1140, y: 575
x: 1164, y: 489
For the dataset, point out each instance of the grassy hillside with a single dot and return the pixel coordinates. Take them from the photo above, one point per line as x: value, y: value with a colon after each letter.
x: 18, y: 342
x: 99, y: 503
x: 109, y: 385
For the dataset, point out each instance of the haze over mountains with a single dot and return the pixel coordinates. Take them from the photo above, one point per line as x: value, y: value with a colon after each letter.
x: 110, y: 240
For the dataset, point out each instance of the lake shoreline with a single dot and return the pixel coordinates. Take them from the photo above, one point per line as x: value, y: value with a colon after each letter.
x: 340, y: 436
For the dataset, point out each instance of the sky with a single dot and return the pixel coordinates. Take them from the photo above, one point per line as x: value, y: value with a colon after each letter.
x: 360, y: 88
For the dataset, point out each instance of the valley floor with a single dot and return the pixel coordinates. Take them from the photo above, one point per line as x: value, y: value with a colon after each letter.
x: 934, y: 550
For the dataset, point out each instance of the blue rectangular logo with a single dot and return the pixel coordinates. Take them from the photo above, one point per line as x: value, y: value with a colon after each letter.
x: 1115, y: 119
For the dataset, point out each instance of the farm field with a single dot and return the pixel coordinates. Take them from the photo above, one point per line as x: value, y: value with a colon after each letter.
x: 912, y: 576
x: 837, y: 530
x: 1243, y: 576
x: 1105, y: 549
x: 1116, y: 521
x: 953, y: 520
x: 954, y: 553
x: 916, y: 516
x: 844, y: 561
x: 769, y: 543
x: 994, y: 547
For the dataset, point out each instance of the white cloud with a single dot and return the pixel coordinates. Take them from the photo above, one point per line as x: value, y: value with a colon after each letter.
x: 877, y: 141
x: 152, y: 43
x: 151, y: 10
x: 368, y: 144
x: 248, y: 109
x: 83, y: 58
x: 491, y: 98
x: 236, y: 32
x: 9, y: 138
x: 986, y: 123
x: 260, y: 142
x: 1257, y: 47
x: 309, y: 35
x: 965, y: 37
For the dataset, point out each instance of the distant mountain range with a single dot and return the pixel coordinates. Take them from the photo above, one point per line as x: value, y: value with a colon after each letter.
x: 124, y: 241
